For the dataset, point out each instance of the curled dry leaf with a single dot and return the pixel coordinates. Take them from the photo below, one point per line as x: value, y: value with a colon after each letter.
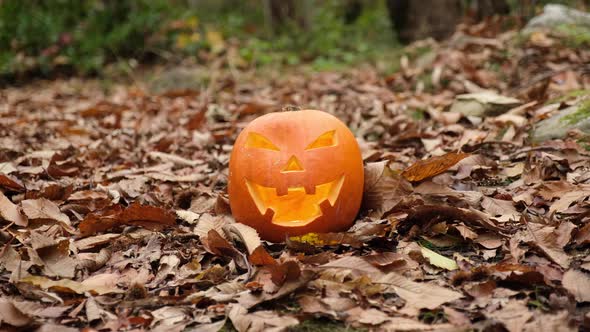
x: 250, y: 299
x: 583, y: 235
x: 246, y: 234
x: 501, y: 210
x: 42, y: 208
x: 100, y: 284
x: 94, y: 241
x: 188, y: 216
x: 60, y: 166
x: 577, y: 193
x: 430, y: 167
x: 100, y: 221
x: 217, y: 245
x: 543, y: 237
x: 170, y: 317
x: 56, y: 260
x: 85, y: 195
x: 388, y: 260
x: 149, y: 217
x: 261, y: 257
x: 9, y: 183
x: 93, y: 309
x: 207, y: 222
x: 383, y: 188
x: 515, y: 273
x: 284, y: 272
x: 10, y: 212
x: 428, y: 215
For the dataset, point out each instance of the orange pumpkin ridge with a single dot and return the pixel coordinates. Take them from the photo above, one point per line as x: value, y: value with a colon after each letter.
x: 292, y: 173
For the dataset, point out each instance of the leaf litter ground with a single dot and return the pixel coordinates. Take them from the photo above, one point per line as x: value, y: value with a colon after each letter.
x: 115, y: 216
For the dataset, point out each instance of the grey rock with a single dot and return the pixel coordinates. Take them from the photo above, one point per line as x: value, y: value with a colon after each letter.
x: 557, y: 126
x: 555, y: 15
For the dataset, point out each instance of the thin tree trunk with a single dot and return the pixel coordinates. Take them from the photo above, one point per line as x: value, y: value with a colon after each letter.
x: 414, y: 20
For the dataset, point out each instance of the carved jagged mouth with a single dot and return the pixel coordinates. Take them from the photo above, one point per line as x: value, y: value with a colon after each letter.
x: 296, y: 208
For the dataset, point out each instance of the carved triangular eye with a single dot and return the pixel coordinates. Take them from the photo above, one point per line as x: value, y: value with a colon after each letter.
x: 325, y: 139
x: 293, y: 165
x: 255, y: 140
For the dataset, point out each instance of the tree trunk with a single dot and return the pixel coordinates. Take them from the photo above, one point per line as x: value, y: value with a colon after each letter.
x: 487, y: 8
x: 279, y: 12
x: 414, y: 20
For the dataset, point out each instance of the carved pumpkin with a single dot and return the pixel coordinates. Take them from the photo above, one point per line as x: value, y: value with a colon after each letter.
x: 295, y: 172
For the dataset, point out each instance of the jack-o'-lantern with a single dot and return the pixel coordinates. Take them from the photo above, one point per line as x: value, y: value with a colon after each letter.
x: 295, y: 172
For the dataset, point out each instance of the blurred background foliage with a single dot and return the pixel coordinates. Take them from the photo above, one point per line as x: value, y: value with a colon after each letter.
x: 47, y: 36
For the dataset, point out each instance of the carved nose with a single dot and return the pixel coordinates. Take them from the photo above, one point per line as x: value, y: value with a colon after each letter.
x: 293, y: 165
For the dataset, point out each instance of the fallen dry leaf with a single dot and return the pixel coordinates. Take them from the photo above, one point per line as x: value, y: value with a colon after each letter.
x: 437, y: 259
x: 42, y: 208
x: 245, y: 234
x: 258, y: 321
x: 430, y: 167
x: 9, y: 183
x: 10, y: 212
x: 149, y: 217
x: 261, y: 257
x: 383, y: 188
x: 284, y: 272
x: 501, y: 210
x: 417, y: 295
x: 100, y: 284
x: 513, y: 315
x: 578, y: 284
x: 10, y: 315
x: 543, y: 237
x: 330, y: 306
x: 583, y: 235
x: 354, y: 263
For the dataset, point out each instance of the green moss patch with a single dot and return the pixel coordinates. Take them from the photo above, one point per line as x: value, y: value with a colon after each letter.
x: 581, y: 114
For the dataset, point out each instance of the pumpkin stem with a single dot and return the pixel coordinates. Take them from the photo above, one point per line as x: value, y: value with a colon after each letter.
x: 290, y: 108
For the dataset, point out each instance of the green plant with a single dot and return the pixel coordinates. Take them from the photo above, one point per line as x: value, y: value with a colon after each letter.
x: 432, y: 316
x: 574, y: 35
x: 42, y: 35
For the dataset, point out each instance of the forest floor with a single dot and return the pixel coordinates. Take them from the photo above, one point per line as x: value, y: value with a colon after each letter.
x: 114, y: 210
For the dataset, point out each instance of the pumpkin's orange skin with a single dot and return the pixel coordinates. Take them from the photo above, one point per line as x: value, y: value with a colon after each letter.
x: 291, y: 132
